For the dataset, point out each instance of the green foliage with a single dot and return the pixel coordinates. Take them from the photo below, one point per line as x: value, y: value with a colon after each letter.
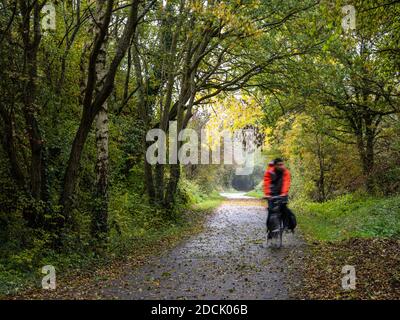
x: 133, y: 224
x: 290, y: 57
x: 193, y: 191
x: 339, y: 131
x: 257, y: 192
x: 349, y: 216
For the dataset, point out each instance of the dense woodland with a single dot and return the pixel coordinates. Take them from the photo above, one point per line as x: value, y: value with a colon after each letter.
x: 81, y: 86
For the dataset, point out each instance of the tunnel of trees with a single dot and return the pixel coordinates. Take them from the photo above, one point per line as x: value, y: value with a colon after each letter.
x: 83, y: 81
x: 243, y: 183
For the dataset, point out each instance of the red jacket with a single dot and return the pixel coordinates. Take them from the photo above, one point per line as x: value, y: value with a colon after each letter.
x: 273, y: 186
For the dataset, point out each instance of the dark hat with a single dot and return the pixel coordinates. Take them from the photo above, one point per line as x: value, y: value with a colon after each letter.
x: 277, y: 160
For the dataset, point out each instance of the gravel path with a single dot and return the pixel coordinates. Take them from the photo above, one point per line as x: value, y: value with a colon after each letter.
x: 229, y: 260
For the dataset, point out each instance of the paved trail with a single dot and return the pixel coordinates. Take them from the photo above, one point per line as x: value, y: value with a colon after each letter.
x: 229, y: 260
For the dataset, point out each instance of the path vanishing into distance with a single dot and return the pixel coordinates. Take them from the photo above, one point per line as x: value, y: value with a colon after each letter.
x: 228, y: 260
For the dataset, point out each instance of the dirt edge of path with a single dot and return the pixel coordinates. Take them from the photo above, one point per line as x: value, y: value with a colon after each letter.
x: 376, y: 263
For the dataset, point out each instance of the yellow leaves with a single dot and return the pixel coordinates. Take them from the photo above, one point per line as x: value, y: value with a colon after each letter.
x: 293, y: 140
x: 198, y: 6
x: 333, y: 61
x: 232, y: 113
x: 228, y: 15
x: 235, y: 112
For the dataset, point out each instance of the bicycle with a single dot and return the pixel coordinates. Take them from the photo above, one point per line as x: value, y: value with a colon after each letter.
x: 275, y: 221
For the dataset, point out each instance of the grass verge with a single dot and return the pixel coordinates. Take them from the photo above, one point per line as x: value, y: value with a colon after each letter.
x: 257, y: 192
x: 352, y: 230
x: 81, y: 280
x: 350, y: 216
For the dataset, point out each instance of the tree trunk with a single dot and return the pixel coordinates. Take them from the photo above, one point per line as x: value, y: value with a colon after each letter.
x: 29, y: 96
x: 100, y: 218
x: 149, y: 181
x: 321, y: 178
x: 100, y: 212
x: 369, y: 160
x: 159, y: 178
x: 92, y: 103
x: 365, y: 146
x: 144, y: 116
x: 9, y: 146
x: 71, y: 172
x: 170, y: 193
x: 37, y: 166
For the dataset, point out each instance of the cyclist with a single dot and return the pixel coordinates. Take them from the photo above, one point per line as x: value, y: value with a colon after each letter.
x: 277, y: 183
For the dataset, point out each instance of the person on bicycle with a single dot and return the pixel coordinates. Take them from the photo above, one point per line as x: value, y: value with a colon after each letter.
x: 277, y: 183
